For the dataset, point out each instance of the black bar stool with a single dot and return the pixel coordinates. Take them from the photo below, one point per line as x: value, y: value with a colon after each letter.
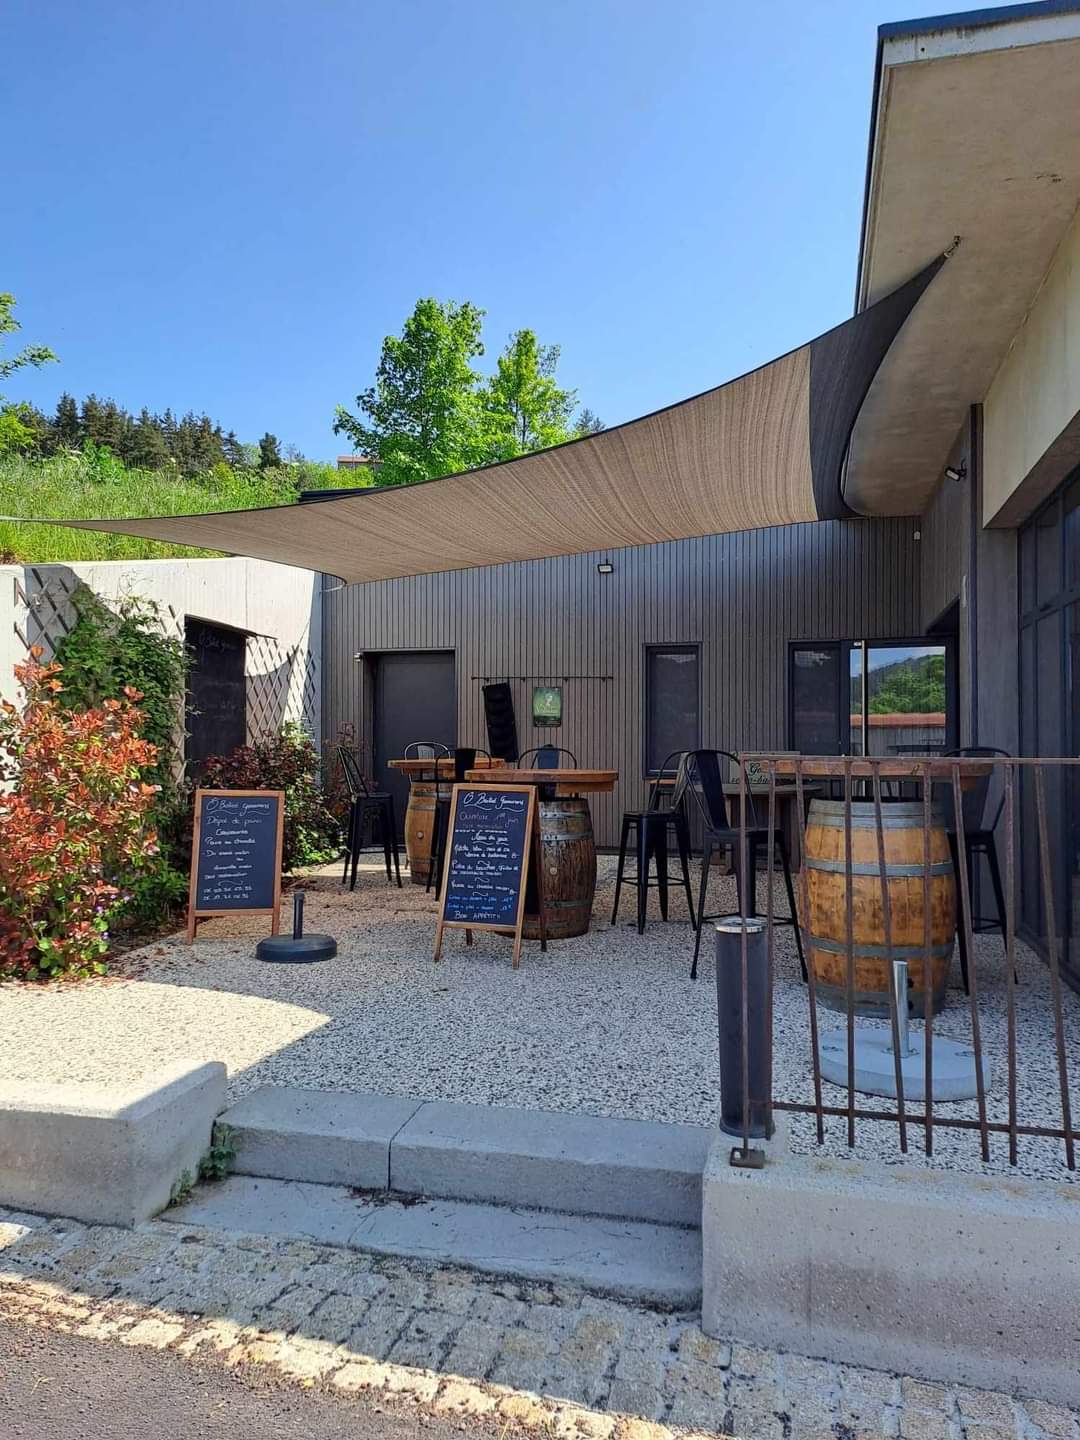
x: 649, y: 828
x: 702, y: 775
x: 978, y: 842
x: 364, y: 803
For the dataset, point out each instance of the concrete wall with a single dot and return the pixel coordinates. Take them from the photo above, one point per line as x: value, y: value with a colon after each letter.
x: 280, y: 606
x: 1032, y: 409
x: 957, y: 1278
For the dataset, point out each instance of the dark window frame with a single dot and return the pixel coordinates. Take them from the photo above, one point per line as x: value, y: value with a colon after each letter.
x: 844, y: 647
x: 665, y: 647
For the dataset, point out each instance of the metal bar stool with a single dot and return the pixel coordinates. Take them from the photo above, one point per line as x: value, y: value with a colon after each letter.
x: 365, y: 803
x: 649, y: 830
x: 702, y: 775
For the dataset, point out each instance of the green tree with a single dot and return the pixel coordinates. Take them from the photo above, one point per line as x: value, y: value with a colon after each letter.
x: 35, y: 355
x: 66, y: 427
x: 588, y: 423
x: 269, y: 452
x: 148, y: 450
x: 421, y: 418
x: 524, y: 408
x: 910, y: 687
x: 234, y: 453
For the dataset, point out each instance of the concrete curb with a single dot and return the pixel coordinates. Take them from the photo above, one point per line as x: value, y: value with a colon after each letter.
x: 543, y: 1160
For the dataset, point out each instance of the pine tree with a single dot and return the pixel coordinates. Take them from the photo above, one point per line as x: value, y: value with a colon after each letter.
x: 148, y: 448
x: 234, y: 453
x: 269, y: 452
x: 67, y: 429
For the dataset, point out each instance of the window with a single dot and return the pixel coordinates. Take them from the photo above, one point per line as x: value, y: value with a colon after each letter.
x: 1050, y: 713
x: 672, y: 702
x: 870, y: 697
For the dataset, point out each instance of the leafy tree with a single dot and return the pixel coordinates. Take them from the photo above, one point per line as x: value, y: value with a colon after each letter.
x: 524, y: 409
x: 915, y: 686
x: 35, y: 355
x: 269, y: 452
x: 421, y: 417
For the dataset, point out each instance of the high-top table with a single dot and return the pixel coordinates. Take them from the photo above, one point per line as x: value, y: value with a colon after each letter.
x: 567, y: 846
x: 420, y: 817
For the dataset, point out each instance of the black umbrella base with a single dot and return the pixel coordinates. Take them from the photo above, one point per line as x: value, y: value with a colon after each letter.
x: 296, y: 950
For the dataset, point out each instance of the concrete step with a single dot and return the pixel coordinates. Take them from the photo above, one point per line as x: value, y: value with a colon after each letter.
x: 581, y: 1164
x: 577, y: 1164
x: 329, y: 1137
x: 652, y: 1264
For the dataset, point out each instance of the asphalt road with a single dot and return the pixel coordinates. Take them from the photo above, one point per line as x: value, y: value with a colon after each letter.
x: 58, y: 1387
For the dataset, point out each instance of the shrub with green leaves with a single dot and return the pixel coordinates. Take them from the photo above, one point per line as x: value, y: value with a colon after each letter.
x: 109, y: 650
x: 289, y: 762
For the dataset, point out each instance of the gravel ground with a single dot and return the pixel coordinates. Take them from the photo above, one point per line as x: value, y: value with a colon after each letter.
x: 607, y: 1024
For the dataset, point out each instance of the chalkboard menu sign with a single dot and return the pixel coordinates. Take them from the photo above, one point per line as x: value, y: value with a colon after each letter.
x: 236, y: 854
x: 488, y: 852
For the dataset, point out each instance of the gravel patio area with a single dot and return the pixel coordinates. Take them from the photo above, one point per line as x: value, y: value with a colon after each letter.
x: 607, y: 1024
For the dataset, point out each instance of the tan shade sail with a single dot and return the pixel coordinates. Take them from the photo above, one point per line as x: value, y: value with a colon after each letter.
x: 765, y: 449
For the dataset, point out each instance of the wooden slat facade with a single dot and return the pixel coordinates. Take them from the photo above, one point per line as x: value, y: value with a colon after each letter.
x: 740, y: 597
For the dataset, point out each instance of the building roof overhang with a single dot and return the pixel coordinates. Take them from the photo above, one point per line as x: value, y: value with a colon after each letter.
x: 975, y: 133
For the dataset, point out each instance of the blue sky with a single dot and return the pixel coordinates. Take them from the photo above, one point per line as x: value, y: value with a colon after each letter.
x: 225, y: 206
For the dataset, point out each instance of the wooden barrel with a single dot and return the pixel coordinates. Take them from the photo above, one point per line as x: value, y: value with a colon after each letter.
x: 420, y: 829
x: 825, y: 938
x: 568, y: 868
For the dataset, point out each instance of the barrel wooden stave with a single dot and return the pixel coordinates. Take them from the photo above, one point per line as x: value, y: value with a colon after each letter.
x: 567, y: 868
x: 826, y: 936
x: 420, y: 818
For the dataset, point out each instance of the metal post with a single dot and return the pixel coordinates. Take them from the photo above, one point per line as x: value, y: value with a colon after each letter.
x: 900, y: 1005
x: 745, y: 1078
x: 298, y: 914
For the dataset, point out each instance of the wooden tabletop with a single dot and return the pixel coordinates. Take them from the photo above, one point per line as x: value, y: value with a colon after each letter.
x: 783, y: 790
x: 418, y: 768
x: 566, y: 781
x: 900, y: 768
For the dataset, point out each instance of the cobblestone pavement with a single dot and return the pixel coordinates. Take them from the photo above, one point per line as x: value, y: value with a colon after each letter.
x: 572, y: 1364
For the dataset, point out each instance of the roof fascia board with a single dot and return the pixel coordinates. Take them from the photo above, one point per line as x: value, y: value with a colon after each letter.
x: 940, y: 37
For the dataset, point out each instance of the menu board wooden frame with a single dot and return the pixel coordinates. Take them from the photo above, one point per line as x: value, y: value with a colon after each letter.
x: 194, y: 916
x: 530, y: 854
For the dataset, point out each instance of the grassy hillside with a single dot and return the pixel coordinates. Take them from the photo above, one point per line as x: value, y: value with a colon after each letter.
x: 91, y: 485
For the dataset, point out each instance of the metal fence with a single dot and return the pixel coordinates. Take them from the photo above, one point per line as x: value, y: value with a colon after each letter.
x: 863, y: 785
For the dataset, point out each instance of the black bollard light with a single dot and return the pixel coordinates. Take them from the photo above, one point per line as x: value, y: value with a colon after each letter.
x: 297, y: 948
x: 729, y: 1014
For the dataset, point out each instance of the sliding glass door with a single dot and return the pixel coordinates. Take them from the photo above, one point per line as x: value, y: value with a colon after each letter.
x: 870, y: 697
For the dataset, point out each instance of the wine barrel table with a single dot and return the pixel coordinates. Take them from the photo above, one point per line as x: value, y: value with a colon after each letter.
x: 825, y: 928
x: 567, y: 846
x: 420, y: 811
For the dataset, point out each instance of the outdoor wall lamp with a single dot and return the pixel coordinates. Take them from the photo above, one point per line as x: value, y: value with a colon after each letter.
x: 956, y: 472
x: 605, y: 567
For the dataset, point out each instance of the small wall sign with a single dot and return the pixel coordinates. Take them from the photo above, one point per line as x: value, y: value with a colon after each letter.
x: 547, y: 705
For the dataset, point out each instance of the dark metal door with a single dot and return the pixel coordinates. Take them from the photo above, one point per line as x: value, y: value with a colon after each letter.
x: 216, y: 711
x: 414, y: 700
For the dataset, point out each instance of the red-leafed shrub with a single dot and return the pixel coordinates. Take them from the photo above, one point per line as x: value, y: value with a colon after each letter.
x: 74, y: 827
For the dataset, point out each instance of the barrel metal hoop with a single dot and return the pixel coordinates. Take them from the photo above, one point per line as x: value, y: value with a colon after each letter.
x: 881, y: 952
x: 892, y: 871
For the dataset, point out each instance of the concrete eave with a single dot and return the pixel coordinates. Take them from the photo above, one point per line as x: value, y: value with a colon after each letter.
x: 974, y: 134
